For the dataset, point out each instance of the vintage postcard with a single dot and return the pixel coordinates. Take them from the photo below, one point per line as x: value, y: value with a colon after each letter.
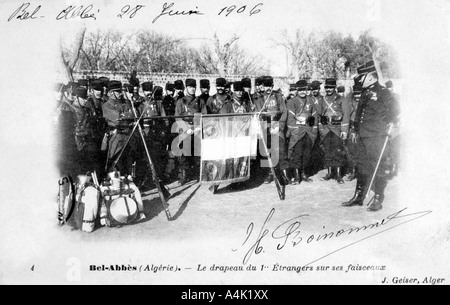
x: 135, y: 140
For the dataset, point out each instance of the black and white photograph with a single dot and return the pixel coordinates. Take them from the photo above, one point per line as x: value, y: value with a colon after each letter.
x: 247, y: 142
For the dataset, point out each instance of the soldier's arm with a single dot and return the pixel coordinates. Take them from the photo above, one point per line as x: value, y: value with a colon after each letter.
x: 111, y: 115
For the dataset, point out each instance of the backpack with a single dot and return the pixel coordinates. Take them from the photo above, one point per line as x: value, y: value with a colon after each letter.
x: 119, y: 204
x: 81, y: 203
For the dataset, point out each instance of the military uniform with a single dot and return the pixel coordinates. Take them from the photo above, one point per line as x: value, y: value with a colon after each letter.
x: 334, y: 112
x: 189, y: 105
x: 275, y: 105
x: 118, y: 132
x: 377, y: 109
x: 302, y: 132
x: 351, y: 146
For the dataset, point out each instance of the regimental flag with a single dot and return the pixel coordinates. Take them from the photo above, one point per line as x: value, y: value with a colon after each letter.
x: 227, y: 145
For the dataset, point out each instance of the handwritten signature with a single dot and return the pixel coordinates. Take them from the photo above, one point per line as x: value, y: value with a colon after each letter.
x: 167, y: 11
x: 289, y: 233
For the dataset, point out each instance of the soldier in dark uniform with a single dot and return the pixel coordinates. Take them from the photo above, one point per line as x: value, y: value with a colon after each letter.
x: 247, y: 84
x: 169, y: 100
x: 114, y: 109
x: 204, y: 91
x: 228, y: 88
x: 302, y: 132
x: 377, y: 109
x: 216, y: 102
x: 179, y: 89
x: 351, y: 145
x: 88, y: 145
x: 258, y: 95
x: 274, y: 104
x: 334, y: 126
x: 189, y: 105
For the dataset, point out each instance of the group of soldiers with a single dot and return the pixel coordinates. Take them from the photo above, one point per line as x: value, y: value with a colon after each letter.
x: 350, y: 130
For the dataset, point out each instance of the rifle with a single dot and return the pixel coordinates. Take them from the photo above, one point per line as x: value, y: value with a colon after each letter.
x: 162, y: 190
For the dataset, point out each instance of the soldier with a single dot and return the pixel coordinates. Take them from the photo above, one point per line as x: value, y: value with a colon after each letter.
x: 334, y: 127
x: 302, y: 132
x: 115, y: 109
x: 105, y: 82
x: 169, y: 100
x: 204, y: 90
x: 216, y: 102
x: 189, y: 105
x: 293, y: 91
x: 247, y: 84
x: 275, y: 105
x: 378, y: 108
x: 258, y: 96
x: 88, y: 145
x: 351, y: 146
x: 179, y: 89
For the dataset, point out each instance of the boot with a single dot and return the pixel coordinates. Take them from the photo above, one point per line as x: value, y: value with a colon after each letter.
x: 284, y: 177
x: 297, y: 177
x: 328, y: 176
x: 358, y: 198
x: 269, y: 178
x: 339, y: 175
x: 305, y: 178
x: 352, y: 174
x: 377, y: 200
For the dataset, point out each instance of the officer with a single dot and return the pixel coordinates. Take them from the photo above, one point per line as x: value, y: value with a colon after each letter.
x: 351, y: 145
x: 302, y: 131
x: 275, y: 105
x: 334, y: 125
x: 118, y: 131
x: 378, y: 108
x: 216, y: 102
x: 189, y: 105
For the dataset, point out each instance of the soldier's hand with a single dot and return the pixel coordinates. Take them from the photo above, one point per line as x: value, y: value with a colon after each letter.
x: 343, y: 135
x: 353, y: 137
x: 189, y: 131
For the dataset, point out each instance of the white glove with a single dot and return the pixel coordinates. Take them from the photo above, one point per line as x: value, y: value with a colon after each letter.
x: 189, y: 131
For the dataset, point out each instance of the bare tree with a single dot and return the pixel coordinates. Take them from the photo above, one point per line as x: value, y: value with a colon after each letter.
x: 69, y: 57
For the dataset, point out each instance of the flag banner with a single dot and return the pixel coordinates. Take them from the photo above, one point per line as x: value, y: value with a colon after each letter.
x: 227, y: 146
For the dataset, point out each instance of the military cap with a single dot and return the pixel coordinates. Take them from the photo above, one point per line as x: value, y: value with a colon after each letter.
x: 158, y: 92
x: 190, y: 82
x: 83, y: 82
x: 293, y: 87
x: 268, y: 81
x: 170, y: 87
x: 128, y: 88
x: 367, y: 68
x: 104, y: 80
x: 315, y: 85
x: 389, y: 84
x: 302, y: 84
x: 204, y: 83
x: 179, y: 85
x: 228, y: 85
x: 246, y: 82
x: 238, y: 86
x: 134, y: 82
x: 147, y: 86
x: 357, y: 88
x: 330, y: 82
x: 58, y: 87
x: 114, y: 85
x: 97, y: 85
x: 341, y: 89
x: 81, y: 92
x: 259, y: 81
x: 221, y: 82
